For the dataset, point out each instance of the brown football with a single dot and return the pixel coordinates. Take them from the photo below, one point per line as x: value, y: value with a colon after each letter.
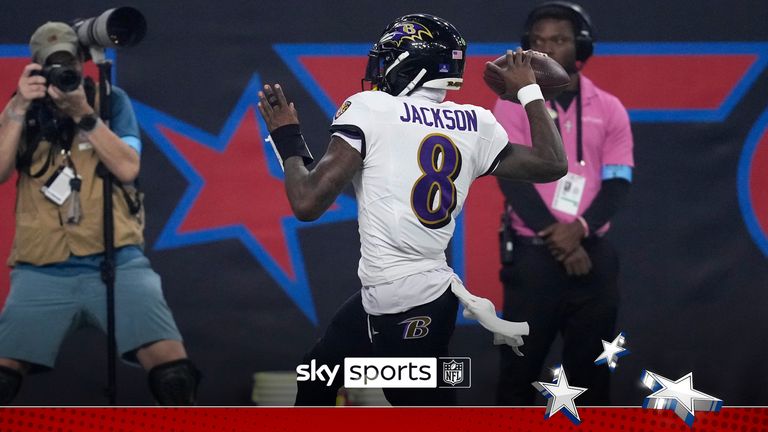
x: 550, y: 76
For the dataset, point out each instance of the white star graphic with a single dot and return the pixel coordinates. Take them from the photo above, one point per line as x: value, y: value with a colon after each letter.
x: 612, y: 351
x: 679, y: 396
x: 560, y: 395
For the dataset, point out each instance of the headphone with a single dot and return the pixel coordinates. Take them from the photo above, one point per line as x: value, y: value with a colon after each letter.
x: 582, y: 26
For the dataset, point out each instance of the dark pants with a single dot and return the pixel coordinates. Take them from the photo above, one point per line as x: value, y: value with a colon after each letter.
x: 348, y: 336
x: 582, y: 309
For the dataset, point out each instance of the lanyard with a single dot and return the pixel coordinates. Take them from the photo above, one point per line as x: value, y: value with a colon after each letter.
x: 67, y: 160
x: 579, y: 145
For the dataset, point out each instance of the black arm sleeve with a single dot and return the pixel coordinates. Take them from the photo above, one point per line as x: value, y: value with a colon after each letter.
x: 612, y: 196
x: 527, y: 203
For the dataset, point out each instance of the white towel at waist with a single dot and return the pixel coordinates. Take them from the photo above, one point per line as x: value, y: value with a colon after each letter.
x: 482, y: 310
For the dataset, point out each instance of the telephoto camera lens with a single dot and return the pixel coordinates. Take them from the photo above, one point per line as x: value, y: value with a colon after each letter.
x: 115, y: 28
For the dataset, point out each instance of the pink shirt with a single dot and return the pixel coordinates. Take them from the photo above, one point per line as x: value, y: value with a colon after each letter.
x: 606, y: 140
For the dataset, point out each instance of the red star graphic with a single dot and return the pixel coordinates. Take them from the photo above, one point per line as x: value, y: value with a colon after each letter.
x: 238, y: 189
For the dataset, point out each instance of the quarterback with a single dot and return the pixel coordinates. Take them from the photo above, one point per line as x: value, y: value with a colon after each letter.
x: 411, y: 157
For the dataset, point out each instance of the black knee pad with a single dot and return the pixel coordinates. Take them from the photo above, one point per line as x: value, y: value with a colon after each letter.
x: 175, y: 382
x: 10, y: 383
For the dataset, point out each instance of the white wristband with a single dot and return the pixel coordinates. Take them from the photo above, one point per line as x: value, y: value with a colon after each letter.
x: 529, y: 93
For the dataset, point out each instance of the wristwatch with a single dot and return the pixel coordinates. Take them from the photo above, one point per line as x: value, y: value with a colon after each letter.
x: 88, y: 122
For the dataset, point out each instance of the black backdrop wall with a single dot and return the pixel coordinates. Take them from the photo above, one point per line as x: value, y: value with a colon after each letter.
x: 244, y: 293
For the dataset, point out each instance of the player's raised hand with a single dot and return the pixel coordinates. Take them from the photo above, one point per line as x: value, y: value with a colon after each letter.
x: 517, y: 72
x: 275, y: 109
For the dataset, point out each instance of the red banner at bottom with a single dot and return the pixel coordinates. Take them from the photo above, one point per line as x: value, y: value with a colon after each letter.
x: 368, y: 419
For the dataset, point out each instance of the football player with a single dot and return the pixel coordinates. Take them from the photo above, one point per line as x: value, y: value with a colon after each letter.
x: 411, y: 157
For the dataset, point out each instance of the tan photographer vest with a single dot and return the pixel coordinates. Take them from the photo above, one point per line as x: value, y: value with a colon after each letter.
x: 42, y: 233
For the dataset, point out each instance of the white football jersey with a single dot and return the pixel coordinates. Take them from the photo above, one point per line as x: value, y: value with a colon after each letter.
x: 419, y: 159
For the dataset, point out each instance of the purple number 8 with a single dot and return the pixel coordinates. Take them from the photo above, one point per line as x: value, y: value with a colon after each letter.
x: 433, y: 197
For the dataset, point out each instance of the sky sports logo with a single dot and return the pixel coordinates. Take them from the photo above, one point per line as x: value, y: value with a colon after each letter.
x: 392, y: 372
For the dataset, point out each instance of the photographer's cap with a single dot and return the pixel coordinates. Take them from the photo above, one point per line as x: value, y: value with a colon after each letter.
x: 52, y: 37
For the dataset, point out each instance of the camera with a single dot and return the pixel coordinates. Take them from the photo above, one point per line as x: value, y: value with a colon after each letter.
x: 114, y: 28
x: 65, y: 78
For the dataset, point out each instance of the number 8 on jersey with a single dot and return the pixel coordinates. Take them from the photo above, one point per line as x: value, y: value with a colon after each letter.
x: 433, y: 196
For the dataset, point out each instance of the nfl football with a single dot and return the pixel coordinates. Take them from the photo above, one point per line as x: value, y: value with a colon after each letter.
x: 550, y: 76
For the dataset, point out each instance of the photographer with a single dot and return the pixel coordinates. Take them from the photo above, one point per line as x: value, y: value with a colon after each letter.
x: 50, y: 133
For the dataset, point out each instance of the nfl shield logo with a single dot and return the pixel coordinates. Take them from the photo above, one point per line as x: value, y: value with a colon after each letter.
x: 453, y: 372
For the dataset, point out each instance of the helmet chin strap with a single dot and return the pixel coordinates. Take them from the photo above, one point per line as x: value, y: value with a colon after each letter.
x: 413, y: 82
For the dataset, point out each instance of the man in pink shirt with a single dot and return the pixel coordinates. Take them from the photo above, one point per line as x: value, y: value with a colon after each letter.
x: 561, y: 275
